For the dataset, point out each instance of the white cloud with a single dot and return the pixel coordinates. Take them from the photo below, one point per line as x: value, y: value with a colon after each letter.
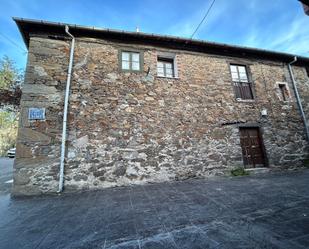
x: 256, y: 23
x: 288, y: 36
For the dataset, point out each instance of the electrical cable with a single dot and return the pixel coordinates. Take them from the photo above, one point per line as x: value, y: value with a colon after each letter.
x: 203, y: 19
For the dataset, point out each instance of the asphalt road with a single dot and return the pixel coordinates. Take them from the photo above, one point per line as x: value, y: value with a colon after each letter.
x: 6, y: 175
x: 267, y: 211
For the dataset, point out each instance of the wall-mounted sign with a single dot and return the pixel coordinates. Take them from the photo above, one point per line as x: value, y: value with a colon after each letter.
x: 36, y: 114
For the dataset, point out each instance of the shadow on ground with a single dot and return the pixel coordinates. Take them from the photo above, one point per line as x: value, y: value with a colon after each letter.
x: 6, y: 175
x: 270, y: 211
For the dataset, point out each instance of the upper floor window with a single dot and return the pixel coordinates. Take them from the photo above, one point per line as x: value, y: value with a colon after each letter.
x: 165, y: 67
x: 166, y: 64
x: 241, y: 83
x: 130, y: 61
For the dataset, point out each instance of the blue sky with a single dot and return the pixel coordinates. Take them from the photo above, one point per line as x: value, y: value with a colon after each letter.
x: 279, y: 25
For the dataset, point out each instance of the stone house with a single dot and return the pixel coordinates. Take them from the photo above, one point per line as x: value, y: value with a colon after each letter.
x: 151, y: 108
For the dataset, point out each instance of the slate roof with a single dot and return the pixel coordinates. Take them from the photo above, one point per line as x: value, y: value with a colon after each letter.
x: 30, y: 27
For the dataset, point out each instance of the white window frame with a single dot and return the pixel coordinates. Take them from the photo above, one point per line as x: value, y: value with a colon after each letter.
x: 168, y: 56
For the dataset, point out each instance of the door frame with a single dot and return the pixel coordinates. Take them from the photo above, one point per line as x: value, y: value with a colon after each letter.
x: 261, y: 133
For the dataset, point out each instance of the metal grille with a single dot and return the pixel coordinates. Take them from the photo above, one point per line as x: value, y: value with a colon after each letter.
x: 243, y: 90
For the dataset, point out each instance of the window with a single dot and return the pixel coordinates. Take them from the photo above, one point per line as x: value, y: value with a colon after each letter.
x: 130, y: 61
x: 241, y: 83
x: 284, y: 94
x: 307, y: 70
x: 165, y: 67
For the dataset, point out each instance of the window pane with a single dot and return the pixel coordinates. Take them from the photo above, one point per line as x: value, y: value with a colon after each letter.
x: 233, y: 69
x: 125, y: 65
x: 169, y: 65
x: 169, y: 72
x: 242, y: 69
x: 243, y: 77
x: 135, y: 57
x: 160, y: 70
x: 160, y: 64
x: 165, y: 67
x: 135, y: 65
x: 125, y: 56
x: 235, y: 76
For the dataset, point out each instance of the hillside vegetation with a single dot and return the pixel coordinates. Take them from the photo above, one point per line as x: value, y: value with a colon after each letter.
x: 10, y: 81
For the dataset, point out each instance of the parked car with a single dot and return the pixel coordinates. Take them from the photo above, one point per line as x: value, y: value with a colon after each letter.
x: 11, y: 152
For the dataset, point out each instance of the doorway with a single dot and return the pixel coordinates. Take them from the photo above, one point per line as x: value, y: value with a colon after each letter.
x: 252, y: 147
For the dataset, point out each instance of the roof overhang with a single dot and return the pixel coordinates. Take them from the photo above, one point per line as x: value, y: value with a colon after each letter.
x: 28, y: 27
x: 304, y: 1
x: 305, y: 6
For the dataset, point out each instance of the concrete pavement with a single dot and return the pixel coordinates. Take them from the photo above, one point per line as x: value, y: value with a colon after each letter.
x: 268, y: 211
x: 6, y: 174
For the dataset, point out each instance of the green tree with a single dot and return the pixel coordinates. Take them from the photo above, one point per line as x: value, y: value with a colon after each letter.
x: 7, y: 118
x: 10, y: 80
x: 10, y: 76
x: 8, y: 130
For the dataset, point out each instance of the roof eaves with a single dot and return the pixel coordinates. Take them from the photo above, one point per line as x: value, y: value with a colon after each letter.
x: 16, y: 20
x: 196, y: 42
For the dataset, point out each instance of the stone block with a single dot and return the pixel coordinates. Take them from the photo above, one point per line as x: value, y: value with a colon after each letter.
x: 27, y: 135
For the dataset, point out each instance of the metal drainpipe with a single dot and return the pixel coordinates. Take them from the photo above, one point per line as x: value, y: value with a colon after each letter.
x: 298, y: 98
x: 65, y: 112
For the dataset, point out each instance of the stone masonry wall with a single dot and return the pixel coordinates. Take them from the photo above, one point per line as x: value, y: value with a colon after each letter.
x: 36, y: 165
x: 131, y: 128
x: 302, y: 81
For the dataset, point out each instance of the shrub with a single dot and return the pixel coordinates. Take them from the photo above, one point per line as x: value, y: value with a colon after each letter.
x: 239, y: 172
x: 306, y: 163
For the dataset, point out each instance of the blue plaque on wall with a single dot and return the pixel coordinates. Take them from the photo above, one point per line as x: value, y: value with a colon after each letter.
x: 36, y: 114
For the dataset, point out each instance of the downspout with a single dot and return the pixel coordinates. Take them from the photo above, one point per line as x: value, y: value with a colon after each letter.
x: 298, y: 98
x: 65, y: 111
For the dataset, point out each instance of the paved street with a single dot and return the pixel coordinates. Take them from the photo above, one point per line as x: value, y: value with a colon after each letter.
x: 269, y: 211
x: 6, y: 169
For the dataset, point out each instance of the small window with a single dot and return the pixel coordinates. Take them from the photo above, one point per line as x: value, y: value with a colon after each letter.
x: 307, y: 70
x: 165, y: 67
x: 241, y: 83
x: 130, y: 61
x: 283, y: 92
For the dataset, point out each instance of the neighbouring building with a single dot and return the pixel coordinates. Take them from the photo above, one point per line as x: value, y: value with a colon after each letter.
x: 151, y: 108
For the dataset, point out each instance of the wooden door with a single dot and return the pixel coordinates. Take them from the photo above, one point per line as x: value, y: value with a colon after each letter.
x: 252, y: 147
